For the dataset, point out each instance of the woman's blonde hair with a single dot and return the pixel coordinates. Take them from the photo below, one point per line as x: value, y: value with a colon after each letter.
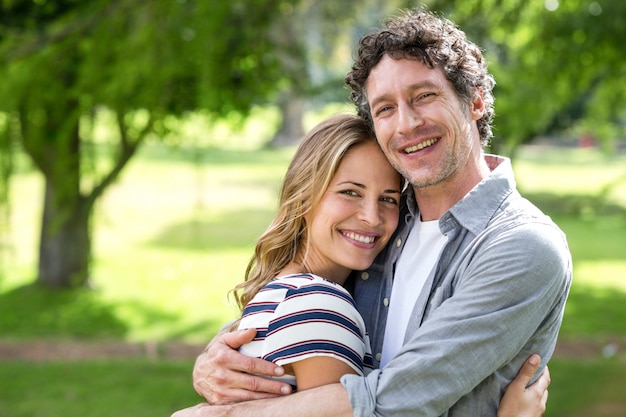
x: 312, y: 168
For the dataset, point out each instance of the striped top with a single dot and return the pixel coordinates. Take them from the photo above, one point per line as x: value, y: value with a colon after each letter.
x: 302, y: 315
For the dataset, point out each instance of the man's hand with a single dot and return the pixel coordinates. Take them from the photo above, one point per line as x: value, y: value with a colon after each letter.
x: 223, y: 376
x: 519, y: 401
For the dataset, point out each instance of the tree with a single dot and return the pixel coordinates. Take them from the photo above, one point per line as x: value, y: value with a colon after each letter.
x: 64, y: 61
x: 297, y: 34
x: 312, y: 41
x: 559, y: 65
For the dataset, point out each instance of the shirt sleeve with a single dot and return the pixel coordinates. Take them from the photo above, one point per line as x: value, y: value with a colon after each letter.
x: 506, y: 298
x: 316, y: 320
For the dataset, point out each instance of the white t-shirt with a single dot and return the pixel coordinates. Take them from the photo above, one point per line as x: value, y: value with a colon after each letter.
x: 302, y: 315
x: 417, y: 261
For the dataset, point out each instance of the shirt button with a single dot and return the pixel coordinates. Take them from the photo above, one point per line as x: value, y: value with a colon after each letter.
x: 364, y: 276
x: 398, y: 243
x: 385, y: 301
x: 378, y: 356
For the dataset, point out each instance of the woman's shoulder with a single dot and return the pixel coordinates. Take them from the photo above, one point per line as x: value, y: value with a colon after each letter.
x: 317, y: 291
x: 296, y: 281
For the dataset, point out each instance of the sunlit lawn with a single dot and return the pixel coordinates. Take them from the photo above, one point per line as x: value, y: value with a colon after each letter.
x: 172, y: 237
x: 585, y: 192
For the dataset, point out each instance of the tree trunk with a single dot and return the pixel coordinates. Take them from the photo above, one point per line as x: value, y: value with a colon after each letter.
x: 291, y: 129
x: 65, y: 246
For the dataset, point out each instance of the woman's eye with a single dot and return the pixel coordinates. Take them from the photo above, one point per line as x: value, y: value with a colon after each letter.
x: 349, y: 192
x: 389, y: 200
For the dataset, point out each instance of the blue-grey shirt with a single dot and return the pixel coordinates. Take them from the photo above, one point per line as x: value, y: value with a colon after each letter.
x: 497, y: 296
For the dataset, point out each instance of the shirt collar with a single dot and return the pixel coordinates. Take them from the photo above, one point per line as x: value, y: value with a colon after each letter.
x: 474, y: 211
x: 477, y: 208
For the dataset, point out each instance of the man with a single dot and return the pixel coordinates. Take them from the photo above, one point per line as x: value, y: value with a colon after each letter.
x: 483, y: 272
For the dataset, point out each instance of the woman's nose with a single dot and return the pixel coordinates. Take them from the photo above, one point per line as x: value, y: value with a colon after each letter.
x: 370, y: 213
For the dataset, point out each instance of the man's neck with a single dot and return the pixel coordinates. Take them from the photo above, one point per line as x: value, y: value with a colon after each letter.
x: 435, y: 200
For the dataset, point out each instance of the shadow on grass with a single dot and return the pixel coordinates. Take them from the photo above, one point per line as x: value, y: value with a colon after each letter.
x: 586, y: 388
x: 236, y: 229
x: 582, y: 205
x: 32, y: 311
x: 595, y: 228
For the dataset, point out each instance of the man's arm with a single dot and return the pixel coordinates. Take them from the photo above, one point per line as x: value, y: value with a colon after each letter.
x: 502, y: 302
x: 325, y: 401
x: 332, y: 401
x: 222, y: 375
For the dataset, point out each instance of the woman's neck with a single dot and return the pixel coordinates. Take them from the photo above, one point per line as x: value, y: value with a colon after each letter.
x: 303, y: 268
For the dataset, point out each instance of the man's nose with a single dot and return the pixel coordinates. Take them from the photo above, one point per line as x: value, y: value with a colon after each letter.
x: 408, y: 118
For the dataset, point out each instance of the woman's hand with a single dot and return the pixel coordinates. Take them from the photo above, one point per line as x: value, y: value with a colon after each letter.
x: 519, y: 401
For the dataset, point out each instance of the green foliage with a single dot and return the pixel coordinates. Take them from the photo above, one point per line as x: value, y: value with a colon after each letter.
x: 559, y: 66
x: 164, y: 56
x: 144, y: 62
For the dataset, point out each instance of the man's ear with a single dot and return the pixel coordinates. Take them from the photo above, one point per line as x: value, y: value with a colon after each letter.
x: 477, y: 105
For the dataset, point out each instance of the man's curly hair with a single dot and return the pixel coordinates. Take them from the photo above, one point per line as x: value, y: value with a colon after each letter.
x: 437, y: 43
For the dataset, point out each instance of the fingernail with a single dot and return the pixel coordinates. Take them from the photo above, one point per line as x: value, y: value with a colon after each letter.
x: 285, y: 390
x: 534, y: 360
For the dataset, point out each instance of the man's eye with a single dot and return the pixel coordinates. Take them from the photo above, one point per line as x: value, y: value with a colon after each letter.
x: 383, y: 110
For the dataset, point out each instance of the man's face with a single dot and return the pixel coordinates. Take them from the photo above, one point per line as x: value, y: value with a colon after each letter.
x: 426, y: 132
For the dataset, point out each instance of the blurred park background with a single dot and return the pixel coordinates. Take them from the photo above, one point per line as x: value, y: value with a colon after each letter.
x: 142, y: 145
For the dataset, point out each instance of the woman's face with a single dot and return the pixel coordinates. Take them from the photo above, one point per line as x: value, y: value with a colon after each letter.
x: 356, y: 216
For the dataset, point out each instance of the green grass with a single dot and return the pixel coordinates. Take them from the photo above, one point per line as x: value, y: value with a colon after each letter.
x: 583, y: 388
x: 171, y: 239
x: 120, y: 388
x: 585, y: 193
x: 125, y: 388
x: 175, y: 234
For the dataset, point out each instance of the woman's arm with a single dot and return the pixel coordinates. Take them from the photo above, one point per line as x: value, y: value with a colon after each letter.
x: 319, y: 370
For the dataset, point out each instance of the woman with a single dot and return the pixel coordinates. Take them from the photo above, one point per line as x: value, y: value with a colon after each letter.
x: 338, y: 207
